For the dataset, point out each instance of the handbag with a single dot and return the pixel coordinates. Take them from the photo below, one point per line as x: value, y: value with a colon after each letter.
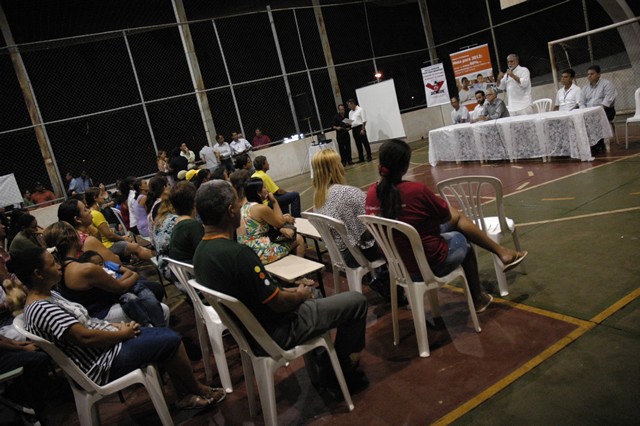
x: 277, y: 237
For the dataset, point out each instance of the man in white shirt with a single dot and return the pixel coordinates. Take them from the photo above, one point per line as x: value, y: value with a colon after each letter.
x: 239, y: 146
x: 517, y: 82
x: 223, y: 152
x: 209, y: 157
x: 459, y: 114
x: 569, y: 96
x: 359, y: 132
x: 189, y: 155
x: 477, y: 112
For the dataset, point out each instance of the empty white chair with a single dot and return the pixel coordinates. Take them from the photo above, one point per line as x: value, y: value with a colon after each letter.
x: 324, y: 225
x: 634, y: 119
x: 86, y: 392
x: 383, y: 230
x: 543, y: 105
x: 260, y: 367
x: 467, y: 191
x: 208, y: 324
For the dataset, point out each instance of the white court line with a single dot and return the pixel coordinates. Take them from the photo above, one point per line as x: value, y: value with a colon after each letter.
x: 519, y: 225
x: 530, y: 173
x: 522, y: 186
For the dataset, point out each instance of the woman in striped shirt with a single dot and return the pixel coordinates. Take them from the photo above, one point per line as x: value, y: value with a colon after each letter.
x: 103, y: 351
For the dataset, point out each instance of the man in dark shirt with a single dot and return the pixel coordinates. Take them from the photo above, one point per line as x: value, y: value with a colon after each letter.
x: 177, y: 163
x: 291, y: 316
x: 342, y: 135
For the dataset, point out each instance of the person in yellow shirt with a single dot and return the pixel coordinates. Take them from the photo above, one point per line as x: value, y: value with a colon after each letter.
x: 285, y: 198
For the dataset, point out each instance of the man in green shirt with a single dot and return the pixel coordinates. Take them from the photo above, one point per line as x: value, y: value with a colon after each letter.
x: 291, y: 316
x: 285, y: 198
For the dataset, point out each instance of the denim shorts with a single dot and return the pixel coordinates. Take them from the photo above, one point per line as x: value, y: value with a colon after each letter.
x: 458, y: 248
x: 152, y: 345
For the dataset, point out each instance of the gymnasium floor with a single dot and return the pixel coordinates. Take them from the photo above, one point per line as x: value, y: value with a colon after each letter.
x: 562, y: 348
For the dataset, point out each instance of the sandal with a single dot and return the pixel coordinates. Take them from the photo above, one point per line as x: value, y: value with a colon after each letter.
x: 193, y: 402
x: 515, y: 262
x: 484, y: 307
x: 211, y: 395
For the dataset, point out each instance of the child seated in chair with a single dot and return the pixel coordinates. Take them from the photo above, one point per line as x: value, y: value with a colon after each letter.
x: 139, y: 303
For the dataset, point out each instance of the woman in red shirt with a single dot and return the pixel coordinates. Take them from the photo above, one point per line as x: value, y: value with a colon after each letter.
x: 445, y: 232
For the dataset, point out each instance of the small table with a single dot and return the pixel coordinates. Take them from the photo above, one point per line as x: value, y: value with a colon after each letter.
x: 292, y: 267
x: 307, y: 230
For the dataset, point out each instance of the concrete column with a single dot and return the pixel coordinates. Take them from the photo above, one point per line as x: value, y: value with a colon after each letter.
x: 337, y: 96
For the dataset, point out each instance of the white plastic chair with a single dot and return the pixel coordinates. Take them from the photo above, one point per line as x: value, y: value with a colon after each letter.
x: 543, y: 105
x: 208, y: 324
x: 86, y: 392
x: 262, y: 368
x: 383, y: 230
x: 634, y: 119
x: 467, y: 190
x: 324, y: 225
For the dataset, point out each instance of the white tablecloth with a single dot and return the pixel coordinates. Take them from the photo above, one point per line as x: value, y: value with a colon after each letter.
x: 550, y: 134
x: 317, y: 148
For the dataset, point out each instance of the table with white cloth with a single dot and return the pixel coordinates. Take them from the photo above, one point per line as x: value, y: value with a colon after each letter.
x: 550, y: 134
x: 312, y: 151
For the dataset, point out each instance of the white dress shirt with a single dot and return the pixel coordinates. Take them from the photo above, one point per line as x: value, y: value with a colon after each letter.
x: 518, y: 94
x: 240, y: 146
x: 477, y: 112
x: 567, y: 99
x: 461, y: 114
x: 358, y: 116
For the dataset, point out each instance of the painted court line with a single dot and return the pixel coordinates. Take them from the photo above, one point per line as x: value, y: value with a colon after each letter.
x: 616, y: 306
x: 522, y: 186
x: 558, y: 199
x: 582, y: 216
x: 530, y: 173
x: 517, y: 167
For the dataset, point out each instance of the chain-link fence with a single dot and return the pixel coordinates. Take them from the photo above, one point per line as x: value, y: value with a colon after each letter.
x: 110, y: 101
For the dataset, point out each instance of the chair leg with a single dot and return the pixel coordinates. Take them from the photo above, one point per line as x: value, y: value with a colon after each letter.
x: 266, y: 388
x: 502, y: 278
x: 394, y: 310
x: 434, y: 302
x: 354, y: 278
x: 626, y: 136
x: 152, y: 383
x: 203, y: 338
x: 416, y: 295
x: 339, y: 375
x: 221, y: 359
x: 336, y: 280
x: 249, y: 379
x: 516, y: 243
x: 472, y: 308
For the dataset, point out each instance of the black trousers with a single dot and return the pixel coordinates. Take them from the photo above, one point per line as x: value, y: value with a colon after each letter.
x: 344, y: 144
x: 360, y: 141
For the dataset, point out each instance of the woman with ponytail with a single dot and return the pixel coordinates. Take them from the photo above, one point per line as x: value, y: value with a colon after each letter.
x: 445, y: 232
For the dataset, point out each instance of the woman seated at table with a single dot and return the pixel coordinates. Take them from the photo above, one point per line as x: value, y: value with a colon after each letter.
x: 81, y: 218
x: 87, y: 283
x: 444, y: 231
x: 258, y: 218
x: 334, y: 198
x: 102, y: 350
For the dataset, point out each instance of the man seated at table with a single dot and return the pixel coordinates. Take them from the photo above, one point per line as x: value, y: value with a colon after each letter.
x: 460, y: 114
x: 285, y: 198
x: 42, y: 195
x: 599, y: 92
x: 290, y: 316
x: 494, y: 108
x: 569, y: 96
x: 477, y: 112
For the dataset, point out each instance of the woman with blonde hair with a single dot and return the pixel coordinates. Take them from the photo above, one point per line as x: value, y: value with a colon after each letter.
x: 163, y: 166
x: 161, y: 235
x: 334, y: 198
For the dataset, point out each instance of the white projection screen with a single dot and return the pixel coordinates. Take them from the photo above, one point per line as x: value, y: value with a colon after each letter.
x: 380, y: 104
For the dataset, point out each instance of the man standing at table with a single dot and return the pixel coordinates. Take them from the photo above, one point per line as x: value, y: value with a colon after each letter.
x: 459, y: 114
x: 358, y: 125
x: 599, y: 92
x: 517, y: 82
x: 342, y: 135
x: 494, y: 108
x: 569, y: 96
x: 477, y: 112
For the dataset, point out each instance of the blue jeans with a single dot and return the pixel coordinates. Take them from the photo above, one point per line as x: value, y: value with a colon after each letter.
x: 458, y: 248
x: 290, y: 199
x: 142, y: 306
x: 152, y: 345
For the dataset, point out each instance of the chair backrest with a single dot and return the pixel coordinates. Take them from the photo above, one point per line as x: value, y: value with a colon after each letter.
x: 184, y: 272
x: 637, y: 97
x: 382, y: 230
x: 68, y: 366
x: 467, y: 191
x: 543, y: 105
x: 219, y: 301
x: 324, y: 225
x: 117, y: 213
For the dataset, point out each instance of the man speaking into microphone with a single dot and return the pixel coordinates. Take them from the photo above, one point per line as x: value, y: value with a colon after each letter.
x: 517, y: 81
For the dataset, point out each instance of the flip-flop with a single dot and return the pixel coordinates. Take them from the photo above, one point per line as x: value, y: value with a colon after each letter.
x: 212, y: 392
x: 194, y: 404
x: 484, y: 308
x: 519, y: 258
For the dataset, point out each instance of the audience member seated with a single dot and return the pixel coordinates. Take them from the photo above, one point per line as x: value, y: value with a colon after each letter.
x: 189, y: 155
x: 444, y: 231
x: 101, y: 350
x: 187, y: 231
x: 334, y: 198
x: 199, y: 177
x: 177, y: 164
x: 30, y: 234
x: 223, y: 152
x: 239, y: 146
x: 88, y: 284
x: 6, y: 308
x: 258, y: 218
x: 161, y: 235
x: 260, y: 140
x: 141, y: 187
x: 290, y: 315
x: 285, y: 198
x: 157, y: 187
x: 139, y: 303
x: 41, y: 196
x: 238, y: 180
x: 220, y: 174
x: 81, y: 183
x: 243, y: 162
x: 126, y: 185
x: 26, y: 199
x: 163, y: 166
